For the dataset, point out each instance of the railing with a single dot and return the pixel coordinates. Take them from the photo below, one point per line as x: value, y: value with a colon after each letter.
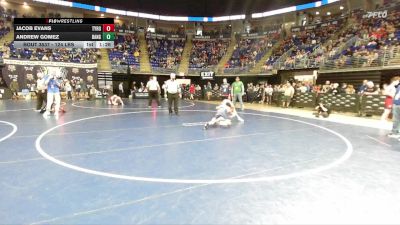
x: 378, y: 60
x: 196, y: 71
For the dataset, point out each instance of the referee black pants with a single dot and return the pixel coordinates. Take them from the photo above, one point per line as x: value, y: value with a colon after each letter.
x: 41, y: 99
x: 173, y: 98
x: 154, y: 95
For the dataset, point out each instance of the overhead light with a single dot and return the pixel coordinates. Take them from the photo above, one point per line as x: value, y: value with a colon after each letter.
x: 317, y: 13
x: 117, y: 17
x: 26, y: 4
x: 328, y: 13
x: 341, y: 7
x: 102, y: 15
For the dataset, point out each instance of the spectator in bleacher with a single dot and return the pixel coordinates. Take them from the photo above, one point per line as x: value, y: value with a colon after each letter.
x: 206, y: 53
x: 343, y: 88
x: 362, y: 88
x: 370, y: 89
x: 335, y: 89
x: 350, y: 90
x: 216, y: 87
x: 326, y: 87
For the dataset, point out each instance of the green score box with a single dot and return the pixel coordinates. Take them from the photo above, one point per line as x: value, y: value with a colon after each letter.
x: 108, y: 36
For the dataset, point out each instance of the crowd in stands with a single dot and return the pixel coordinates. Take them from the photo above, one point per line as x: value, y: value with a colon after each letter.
x: 361, y: 44
x: 164, y: 52
x: 4, y: 29
x: 373, y: 36
x: 302, y: 45
x: 249, y: 51
x: 206, y: 53
x: 126, y: 50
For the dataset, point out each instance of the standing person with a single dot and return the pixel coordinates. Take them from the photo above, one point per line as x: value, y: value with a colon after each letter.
x: 396, y: 114
x: 2, y: 83
x: 192, y: 91
x: 53, y: 94
x: 121, y: 90
x: 389, y: 91
x: 209, y: 91
x: 173, y: 93
x: 288, y: 95
x: 237, y: 92
x: 41, y: 92
x: 14, y: 87
x: 225, y: 92
x: 164, y: 87
x: 68, y: 89
x: 154, y: 91
x: 84, y: 89
x: 268, y: 94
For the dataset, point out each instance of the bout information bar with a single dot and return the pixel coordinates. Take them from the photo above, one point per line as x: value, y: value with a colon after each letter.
x: 64, y: 32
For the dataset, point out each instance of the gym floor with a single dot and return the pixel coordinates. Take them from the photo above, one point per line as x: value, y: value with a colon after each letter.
x: 100, y: 164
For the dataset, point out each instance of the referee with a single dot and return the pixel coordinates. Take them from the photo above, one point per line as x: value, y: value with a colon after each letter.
x: 154, y: 91
x: 173, y: 93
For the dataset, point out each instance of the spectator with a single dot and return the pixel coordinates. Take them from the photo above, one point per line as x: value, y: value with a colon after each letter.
x: 2, y: 83
x: 350, y: 90
x: 370, y: 89
x: 192, y: 91
x: 288, y: 95
x: 362, y: 88
x: 14, y: 87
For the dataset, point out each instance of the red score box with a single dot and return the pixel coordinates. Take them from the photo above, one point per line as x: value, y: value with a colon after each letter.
x: 108, y: 28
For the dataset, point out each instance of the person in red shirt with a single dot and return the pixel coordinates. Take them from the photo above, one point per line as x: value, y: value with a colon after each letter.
x: 192, y: 91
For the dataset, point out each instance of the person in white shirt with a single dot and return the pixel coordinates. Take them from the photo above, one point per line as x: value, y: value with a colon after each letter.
x: 68, y: 89
x: 41, y: 92
x: 154, y: 91
x: 268, y: 94
x: 121, y: 90
x: 164, y: 87
x: 173, y: 93
x: 288, y: 95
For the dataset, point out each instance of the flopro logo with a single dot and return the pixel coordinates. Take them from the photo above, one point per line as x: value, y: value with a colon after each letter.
x: 377, y: 14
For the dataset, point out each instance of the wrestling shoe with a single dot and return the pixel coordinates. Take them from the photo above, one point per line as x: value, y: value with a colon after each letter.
x: 206, y: 126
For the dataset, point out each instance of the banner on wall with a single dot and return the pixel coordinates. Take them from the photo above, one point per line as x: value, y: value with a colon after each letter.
x: 317, y: 25
x: 25, y: 72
